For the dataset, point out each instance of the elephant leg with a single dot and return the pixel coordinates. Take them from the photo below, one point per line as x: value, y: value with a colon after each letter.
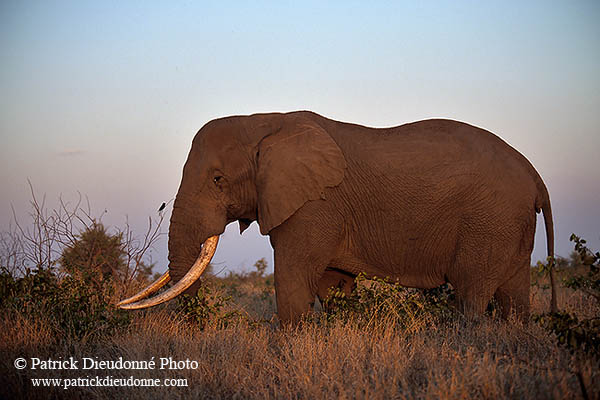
x: 303, y: 248
x: 514, y: 294
x: 296, y: 284
x: 475, y: 277
x: 335, y: 279
x: 473, y: 300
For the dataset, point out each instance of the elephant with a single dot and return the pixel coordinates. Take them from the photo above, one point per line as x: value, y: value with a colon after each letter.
x: 425, y: 203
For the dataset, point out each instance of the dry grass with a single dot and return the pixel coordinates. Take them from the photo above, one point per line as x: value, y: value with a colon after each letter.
x: 459, y: 358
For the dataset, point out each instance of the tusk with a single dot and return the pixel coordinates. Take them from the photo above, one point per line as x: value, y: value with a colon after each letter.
x: 208, y: 250
x: 151, y: 289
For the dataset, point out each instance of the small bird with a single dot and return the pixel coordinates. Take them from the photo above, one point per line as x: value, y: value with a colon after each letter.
x: 162, y: 207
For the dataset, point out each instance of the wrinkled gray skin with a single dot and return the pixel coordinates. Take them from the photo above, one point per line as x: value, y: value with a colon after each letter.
x: 424, y: 203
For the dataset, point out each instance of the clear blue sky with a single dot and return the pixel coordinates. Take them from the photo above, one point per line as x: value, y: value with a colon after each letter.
x: 104, y: 97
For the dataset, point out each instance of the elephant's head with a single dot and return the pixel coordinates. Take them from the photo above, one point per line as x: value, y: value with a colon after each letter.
x: 261, y: 167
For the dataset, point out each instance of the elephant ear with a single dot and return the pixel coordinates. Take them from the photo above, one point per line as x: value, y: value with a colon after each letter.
x: 295, y: 165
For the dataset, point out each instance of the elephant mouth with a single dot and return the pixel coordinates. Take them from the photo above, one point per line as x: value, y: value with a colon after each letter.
x: 140, y: 300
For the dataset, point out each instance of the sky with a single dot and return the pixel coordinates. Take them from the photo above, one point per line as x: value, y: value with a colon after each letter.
x: 103, y: 98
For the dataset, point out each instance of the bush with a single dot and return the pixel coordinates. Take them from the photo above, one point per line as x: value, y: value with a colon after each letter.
x: 75, y: 307
x: 206, y: 307
x: 570, y: 330
x: 381, y: 299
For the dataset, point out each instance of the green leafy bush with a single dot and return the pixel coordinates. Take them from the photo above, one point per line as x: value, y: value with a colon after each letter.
x: 28, y: 293
x: 206, y: 307
x: 385, y: 300
x: 570, y: 330
x: 76, y: 306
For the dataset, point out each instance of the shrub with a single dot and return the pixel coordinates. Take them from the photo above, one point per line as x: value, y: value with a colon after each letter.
x: 385, y: 300
x: 206, y: 307
x: 570, y: 330
x: 84, y: 310
x: 75, y: 307
x: 95, y: 250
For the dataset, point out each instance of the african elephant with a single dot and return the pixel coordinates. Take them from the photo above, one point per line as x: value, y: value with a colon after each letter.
x: 423, y: 203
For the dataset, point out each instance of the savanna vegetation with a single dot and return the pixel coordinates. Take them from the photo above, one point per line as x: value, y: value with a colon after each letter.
x: 62, y: 274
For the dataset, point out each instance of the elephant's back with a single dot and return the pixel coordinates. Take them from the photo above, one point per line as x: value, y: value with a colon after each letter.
x: 464, y: 147
x: 435, y: 148
x: 433, y: 163
x: 434, y: 170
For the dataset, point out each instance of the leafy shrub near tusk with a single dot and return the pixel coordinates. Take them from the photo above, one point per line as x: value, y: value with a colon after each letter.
x: 208, y: 250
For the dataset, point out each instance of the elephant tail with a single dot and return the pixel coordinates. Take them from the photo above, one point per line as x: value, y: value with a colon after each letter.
x: 543, y: 203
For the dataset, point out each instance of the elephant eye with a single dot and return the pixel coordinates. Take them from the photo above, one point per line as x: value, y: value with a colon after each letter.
x: 217, y: 179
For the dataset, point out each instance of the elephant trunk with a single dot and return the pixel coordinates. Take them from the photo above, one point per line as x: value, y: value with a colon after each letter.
x: 136, y: 302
